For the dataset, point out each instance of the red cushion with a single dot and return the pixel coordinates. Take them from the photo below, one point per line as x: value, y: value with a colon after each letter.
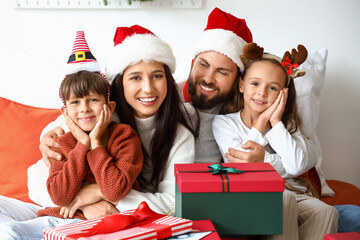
x: 346, y: 193
x: 20, y: 129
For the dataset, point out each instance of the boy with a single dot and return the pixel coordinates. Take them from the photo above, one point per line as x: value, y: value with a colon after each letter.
x: 96, y: 150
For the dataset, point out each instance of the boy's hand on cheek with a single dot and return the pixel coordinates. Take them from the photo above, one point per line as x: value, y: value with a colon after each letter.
x: 76, y: 131
x: 100, y: 128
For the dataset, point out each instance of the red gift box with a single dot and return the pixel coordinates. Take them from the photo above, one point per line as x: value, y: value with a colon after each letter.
x: 141, y: 223
x: 204, y: 226
x: 343, y: 236
x: 239, y: 198
x: 256, y: 177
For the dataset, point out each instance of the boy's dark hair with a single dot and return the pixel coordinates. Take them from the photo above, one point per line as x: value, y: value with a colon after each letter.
x: 81, y: 83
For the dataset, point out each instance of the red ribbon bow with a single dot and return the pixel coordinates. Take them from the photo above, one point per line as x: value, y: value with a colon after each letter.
x: 291, y: 65
x: 117, y: 221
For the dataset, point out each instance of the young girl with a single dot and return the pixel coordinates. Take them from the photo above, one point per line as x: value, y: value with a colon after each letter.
x: 140, y: 67
x: 267, y: 114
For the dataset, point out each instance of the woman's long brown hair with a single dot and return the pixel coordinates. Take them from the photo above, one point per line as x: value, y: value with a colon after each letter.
x: 169, y: 115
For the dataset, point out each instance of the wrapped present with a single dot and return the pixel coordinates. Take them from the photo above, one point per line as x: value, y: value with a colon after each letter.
x: 239, y: 198
x: 206, y: 225
x: 202, y: 229
x: 343, y: 236
x: 142, y: 223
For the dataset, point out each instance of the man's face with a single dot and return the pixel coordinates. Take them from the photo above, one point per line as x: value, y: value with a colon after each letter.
x: 211, y: 79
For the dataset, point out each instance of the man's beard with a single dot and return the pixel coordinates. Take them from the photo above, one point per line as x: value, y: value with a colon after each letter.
x: 202, y: 102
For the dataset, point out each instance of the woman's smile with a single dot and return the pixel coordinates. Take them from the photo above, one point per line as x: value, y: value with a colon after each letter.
x: 147, y: 100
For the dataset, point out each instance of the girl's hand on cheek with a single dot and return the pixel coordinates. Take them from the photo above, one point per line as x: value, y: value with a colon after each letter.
x: 263, y: 121
x: 277, y: 115
x: 76, y: 131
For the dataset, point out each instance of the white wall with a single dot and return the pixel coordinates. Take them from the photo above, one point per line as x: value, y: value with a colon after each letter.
x: 35, y: 45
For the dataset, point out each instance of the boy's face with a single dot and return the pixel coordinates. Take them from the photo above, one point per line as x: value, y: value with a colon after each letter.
x: 261, y: 85
x: 85, y: 111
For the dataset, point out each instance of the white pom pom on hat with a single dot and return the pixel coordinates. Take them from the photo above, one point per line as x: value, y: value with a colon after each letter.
x: 134, y: 44
x: 225, y: 34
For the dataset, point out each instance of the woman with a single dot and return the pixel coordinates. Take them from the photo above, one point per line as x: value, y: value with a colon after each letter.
x: 147, y: 100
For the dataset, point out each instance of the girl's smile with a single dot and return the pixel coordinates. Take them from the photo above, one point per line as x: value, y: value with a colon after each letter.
x: 259, y: 102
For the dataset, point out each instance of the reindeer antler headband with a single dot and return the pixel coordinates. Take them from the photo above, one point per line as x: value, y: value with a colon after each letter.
x: 290, y: 62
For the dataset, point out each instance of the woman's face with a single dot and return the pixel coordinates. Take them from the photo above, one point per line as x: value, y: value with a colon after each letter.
x: 145, y: 87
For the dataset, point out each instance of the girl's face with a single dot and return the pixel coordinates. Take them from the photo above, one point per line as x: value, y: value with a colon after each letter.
x: 261, y: 85
x: 145, y: 87
x: 85, y: 111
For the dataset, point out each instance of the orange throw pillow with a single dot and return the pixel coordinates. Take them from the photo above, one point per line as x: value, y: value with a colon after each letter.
x: 346, y: 193
x: 20, y: 129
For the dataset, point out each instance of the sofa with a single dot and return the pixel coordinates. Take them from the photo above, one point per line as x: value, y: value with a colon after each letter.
x: 21, y: 125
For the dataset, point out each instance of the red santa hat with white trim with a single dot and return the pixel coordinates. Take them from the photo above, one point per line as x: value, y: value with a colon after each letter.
x: 81, y: 57
x: 225, y: 34
x: 134, y: 44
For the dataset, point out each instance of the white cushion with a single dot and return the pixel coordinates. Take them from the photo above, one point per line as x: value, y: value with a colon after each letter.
x: 308, y: 90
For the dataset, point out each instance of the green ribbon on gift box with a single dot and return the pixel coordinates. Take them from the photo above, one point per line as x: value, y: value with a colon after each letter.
x: 219, y: 169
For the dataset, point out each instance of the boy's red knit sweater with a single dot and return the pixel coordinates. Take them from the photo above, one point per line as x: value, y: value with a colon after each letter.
x: 114, y: 168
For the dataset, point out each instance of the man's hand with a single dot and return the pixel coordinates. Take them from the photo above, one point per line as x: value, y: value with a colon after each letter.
x: 88, y: 194
x: 48, y: 141
x: 256, y: 153
x: 99, y: 209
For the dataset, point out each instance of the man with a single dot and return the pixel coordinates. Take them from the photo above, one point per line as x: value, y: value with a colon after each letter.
x: 213, y: 81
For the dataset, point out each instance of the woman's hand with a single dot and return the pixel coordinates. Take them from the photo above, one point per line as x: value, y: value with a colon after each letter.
x: 88, y: 194
x: 97, y: 133
x: 76, y: 131
x: 99, y: 209
x: 256, y: 153
x: 48, y: 141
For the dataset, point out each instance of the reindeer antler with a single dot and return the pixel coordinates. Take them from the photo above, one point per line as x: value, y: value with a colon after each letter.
x: 253, y: 51
x: 296, y: 56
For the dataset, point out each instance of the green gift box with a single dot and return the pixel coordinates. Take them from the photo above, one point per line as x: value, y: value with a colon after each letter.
x: 239, y: 198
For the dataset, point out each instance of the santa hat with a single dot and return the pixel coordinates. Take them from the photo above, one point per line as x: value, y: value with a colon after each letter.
x: 134, y: 44
x: 225, y: 34
x: 81, y: 57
